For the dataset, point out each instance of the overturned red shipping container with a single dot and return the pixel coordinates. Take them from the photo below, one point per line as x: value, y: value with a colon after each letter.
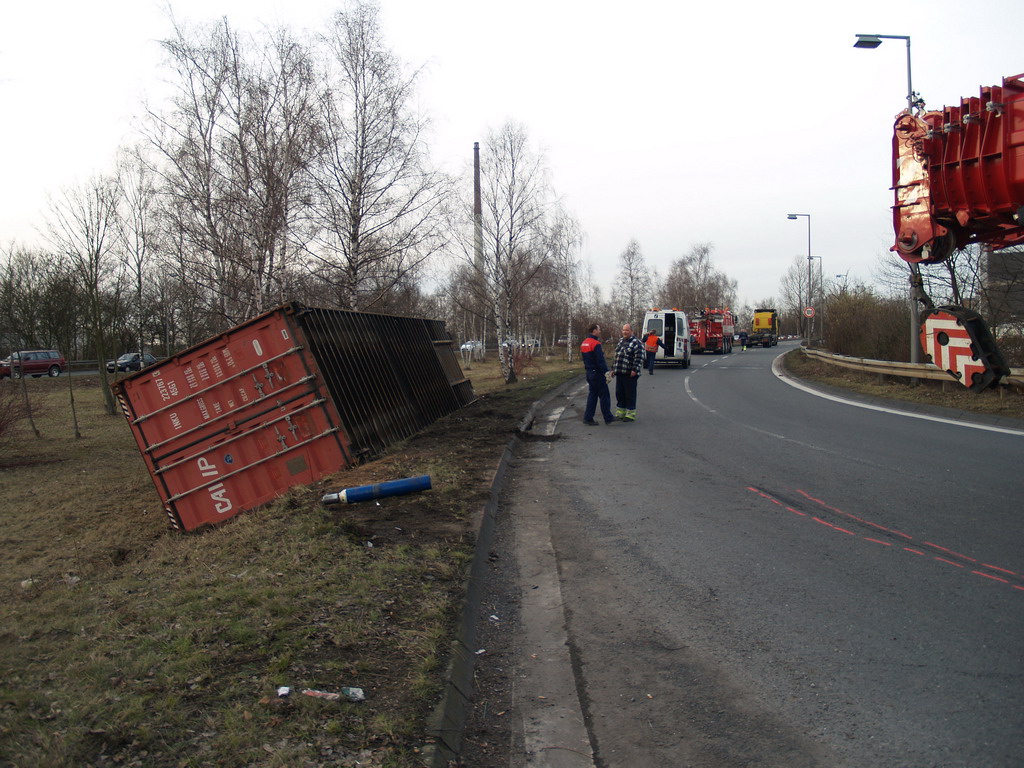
x: 283, y: 400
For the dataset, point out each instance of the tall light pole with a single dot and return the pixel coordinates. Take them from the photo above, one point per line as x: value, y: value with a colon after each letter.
x: 794, y: 217
x: 873, y: 41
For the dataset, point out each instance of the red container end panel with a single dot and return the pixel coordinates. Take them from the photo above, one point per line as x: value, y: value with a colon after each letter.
x: 958, y: 175
x: 232, y: 423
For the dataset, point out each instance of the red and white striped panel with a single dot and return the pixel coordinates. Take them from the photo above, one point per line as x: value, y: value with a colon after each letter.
x: 947, y: 341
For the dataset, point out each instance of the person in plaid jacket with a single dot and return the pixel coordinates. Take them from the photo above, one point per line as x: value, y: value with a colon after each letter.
x: 629, y: 361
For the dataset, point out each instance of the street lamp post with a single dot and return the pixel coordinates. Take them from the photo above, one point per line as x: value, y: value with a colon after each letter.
x: 873, y: 41
x: 794, y: 217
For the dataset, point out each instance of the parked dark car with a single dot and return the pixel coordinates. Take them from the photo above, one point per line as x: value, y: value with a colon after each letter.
x: 130, y: 361
x: 33, y: 362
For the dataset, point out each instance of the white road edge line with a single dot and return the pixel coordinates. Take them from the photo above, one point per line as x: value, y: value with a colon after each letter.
x: 777, y: 370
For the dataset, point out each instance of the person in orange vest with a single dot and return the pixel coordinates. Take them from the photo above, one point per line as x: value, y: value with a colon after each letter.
x: 651, y: 344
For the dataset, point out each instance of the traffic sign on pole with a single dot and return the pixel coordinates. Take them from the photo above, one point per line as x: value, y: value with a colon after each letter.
x: 808, y: 311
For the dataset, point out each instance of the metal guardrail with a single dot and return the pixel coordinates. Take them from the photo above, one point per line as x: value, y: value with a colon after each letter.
x: 906, y: 370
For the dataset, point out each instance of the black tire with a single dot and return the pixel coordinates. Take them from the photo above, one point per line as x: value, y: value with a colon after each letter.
x: 54, y: 371
x: 15, y: 374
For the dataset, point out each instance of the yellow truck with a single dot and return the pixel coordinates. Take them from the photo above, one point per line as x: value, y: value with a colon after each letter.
x: 765, y: 328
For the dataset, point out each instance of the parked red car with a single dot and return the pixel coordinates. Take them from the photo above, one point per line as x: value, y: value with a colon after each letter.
x: 33, y: 362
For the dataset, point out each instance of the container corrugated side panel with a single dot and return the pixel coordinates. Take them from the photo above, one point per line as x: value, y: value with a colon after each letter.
x: 235, y: 421
x: 385, y: 373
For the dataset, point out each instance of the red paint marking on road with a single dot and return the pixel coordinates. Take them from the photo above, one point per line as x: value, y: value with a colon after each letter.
x: 838, y: 511
x: 806, y: 495
x: 997, y: 568
x: 773, y: 500
x: 830, y: 507
x: 833, y: 527
x: 950, y: 551
x: 990, y: 576
x: 890, y: 531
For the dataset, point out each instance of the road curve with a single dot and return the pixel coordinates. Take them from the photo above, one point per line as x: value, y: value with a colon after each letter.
x: 751, y: 574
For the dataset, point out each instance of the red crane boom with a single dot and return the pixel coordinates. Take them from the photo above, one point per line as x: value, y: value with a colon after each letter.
x: 958, y: 179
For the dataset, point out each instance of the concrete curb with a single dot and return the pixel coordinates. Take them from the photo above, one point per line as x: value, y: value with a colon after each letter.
x: 527, y: 423
x: 446, y: 723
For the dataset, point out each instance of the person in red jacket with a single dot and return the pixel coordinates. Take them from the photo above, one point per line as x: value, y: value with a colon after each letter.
x: 597, y: 377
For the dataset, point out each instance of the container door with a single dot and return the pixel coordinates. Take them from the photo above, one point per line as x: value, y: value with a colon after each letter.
x: 234, y: 422
x: 682, y: 335
x: 669, y: 336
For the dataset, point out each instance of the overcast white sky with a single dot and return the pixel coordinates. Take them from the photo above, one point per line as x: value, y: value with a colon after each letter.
x: 670, y: 122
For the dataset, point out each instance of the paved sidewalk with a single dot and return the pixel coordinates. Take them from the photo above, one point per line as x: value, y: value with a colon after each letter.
x: 554, y: 734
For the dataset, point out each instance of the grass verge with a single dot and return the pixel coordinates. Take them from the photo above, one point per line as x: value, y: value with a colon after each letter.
x: 125, y: 643
x: 1007, y: 401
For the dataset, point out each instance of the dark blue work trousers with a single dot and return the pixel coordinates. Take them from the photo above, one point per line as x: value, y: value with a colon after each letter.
x: 625, y: 391
x: 598, y: 392
x: 651, y: 357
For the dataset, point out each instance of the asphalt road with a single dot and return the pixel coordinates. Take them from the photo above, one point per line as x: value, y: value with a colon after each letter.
x: 753, y: 575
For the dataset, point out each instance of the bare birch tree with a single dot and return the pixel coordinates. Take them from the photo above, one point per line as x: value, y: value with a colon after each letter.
x: 633, y: 284
x: 564, y: 238
x: 694, y: 282
x: 235, y: 147
x: 82, y: 228
x: 514, y: 193
x: 800, y: 289
x: 137, y: 228
x: 379, y: 207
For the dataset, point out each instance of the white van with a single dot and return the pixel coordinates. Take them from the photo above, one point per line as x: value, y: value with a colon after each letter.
x: 673, y: 329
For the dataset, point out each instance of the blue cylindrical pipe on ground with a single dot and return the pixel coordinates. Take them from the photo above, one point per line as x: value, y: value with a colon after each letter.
x: 389, y: 488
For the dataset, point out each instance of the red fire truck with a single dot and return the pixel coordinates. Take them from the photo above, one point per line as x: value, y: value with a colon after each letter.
x: 712, y: 330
